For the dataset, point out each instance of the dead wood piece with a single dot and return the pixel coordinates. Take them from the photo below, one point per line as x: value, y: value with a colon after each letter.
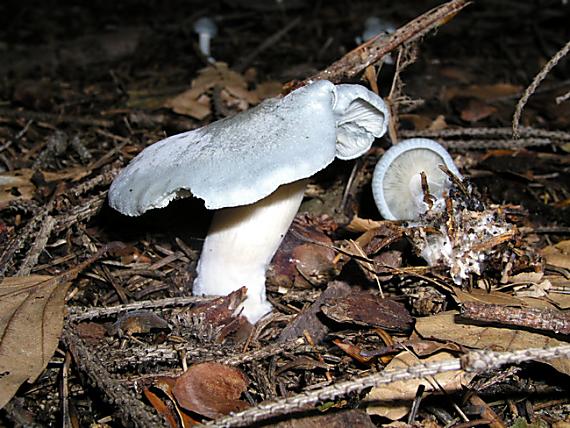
x: 82, y: 314
x: 18, y: 242
x: 490, y: 138
x: 374, y: 50
x: 536, y: 318
x: 309, y: 321
x: 83, y: 212
x: 129, y: 408
x: 38, y: 246
x: 487, y: 413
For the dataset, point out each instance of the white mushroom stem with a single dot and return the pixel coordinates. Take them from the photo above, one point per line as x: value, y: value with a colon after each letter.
x: 204, y: 43
x: 240, y: 245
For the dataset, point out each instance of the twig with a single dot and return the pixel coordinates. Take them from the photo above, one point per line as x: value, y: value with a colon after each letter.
x: 374, y: 50
x: 82, y: 314
x: 536, y: 318
x: 487, y: 413
x: 37, y: 247
x: 18, y: 242
x: 170, y: 354
x: 535, y: 83
x: 475, y: 361
x: 131, y: 410
x: 562, y: 98
x: 498, y: 133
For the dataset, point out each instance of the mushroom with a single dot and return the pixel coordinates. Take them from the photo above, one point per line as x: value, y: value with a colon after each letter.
x: 206, y: 29
x: 252, y: 168
x: 397, y: 183
x: 373, y: 26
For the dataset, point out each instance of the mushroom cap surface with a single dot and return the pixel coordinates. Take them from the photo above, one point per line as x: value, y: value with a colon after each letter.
x: 206, y: 25
x: 396, y: 183
x: 241, y: 159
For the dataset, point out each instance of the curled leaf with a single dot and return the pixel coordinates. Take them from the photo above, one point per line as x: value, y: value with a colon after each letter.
x: 211, y: 389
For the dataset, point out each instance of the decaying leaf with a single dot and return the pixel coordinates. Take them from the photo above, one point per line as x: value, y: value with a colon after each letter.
x: 370, y: 310
x: 218, y: 318
x: 233, y: 89
x: 483, y: 296
x: 211, y: 389
x: 449, y: 327
x: 558, y: 255
x: 162, y: 399
x: 31, y: 320
x: 341, y: 419
x: 394, y: 400
x: 16, y: 185
x: 304, y: 259
x: 309, y: 320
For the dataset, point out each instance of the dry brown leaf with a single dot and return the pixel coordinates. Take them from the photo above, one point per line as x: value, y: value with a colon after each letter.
x: 482, y: 92
x: 211, y: 389
x: 340, y: 419
x: 483, y: 296
x: 31, y: 320
x: 194, y: 102
x: 448, y: 326
x: 16, y: 185
x: 396, y: 398
x: 557, y: 255
x: 370, y: 310
x: 165, y: 403
x: 477, y: 110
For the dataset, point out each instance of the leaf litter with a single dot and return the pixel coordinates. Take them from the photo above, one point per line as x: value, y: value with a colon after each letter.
x: 355, y: 297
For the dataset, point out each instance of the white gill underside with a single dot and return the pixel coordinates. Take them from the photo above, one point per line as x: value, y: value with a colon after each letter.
x: 402, y: 185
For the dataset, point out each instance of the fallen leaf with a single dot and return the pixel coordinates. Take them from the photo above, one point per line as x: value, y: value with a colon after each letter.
x: 211, y: 389
x: 161, y: 398
x: 16, y: 185
x: 395, y: 399
x: 341, y: 419
x: 558, y: 254
x: 370, y: 310
x: 483, y: 296
x: 477, y: 110
x: 304, y: 259
x: 309, y: 320
x: 31, y: 321
x: 482, y: 92
x: 448, y: 326
x: 195, y: 102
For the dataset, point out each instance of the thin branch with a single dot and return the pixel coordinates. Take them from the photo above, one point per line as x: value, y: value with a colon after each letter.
x: 476, y: 361
x: 535, y: 83
x: 357, y: 60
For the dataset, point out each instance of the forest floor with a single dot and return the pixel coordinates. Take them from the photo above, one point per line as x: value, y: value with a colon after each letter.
x: 98, y: 325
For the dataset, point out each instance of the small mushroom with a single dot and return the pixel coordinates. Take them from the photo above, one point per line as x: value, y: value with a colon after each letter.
x: 206, y: 29
x: 252, y: 168
x: 373, y: 26
x: 397, y: 183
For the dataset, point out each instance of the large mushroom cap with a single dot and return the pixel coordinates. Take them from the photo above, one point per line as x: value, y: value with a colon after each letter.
x: 241, y: 159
